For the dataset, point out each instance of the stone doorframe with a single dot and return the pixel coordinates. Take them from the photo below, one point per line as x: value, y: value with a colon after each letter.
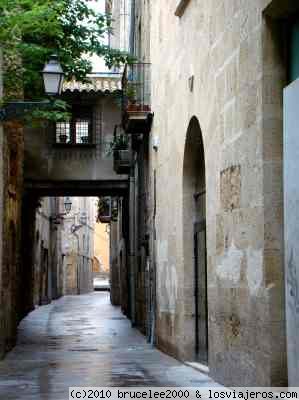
x: 194, y: 182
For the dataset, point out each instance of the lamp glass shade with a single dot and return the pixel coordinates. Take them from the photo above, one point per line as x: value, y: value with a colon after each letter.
x: 67, y: 205
x: 83, y: 218
x: 53, y: 76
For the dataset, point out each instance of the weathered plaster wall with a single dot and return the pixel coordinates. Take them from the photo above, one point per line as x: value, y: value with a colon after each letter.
x: 101, y: 248
x: 120, y: 12
x: 291, y: 196
x: 45, y: 162
x: 231, y: 51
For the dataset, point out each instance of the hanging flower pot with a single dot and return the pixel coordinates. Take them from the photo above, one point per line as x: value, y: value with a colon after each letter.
x: 104, y: 209
x: 85, y: 139
x: 122, y: 161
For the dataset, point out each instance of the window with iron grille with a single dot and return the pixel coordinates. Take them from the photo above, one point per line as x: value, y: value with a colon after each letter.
x: 63, y: 132
x: 82, y: 129
x: 78, y: 130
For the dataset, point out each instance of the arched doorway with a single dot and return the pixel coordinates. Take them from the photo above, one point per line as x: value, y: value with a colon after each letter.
x: 194, y: 242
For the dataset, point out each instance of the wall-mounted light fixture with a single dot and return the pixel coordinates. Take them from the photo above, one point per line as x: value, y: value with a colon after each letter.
x: 53, y: 77
x: 56, y: 219
x: 155, y: 142
x: 67, y: 205
x: 82, y: 222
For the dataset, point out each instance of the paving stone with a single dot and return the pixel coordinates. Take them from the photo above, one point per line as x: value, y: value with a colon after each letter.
x: 85, y: 341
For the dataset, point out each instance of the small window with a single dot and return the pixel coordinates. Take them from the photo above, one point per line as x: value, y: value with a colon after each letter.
x: 78, y: 130
x: 63, y: 132
x: 82, y: 131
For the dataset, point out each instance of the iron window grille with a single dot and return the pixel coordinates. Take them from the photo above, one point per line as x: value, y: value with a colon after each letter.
x: 78, y: 131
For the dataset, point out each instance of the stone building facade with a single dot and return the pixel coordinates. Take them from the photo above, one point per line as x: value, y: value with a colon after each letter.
x: 214, y: 208
x: 63, y: 248
x: 47, y: 252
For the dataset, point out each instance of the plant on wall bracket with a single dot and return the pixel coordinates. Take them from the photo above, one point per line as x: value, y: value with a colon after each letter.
x: 119, y: 142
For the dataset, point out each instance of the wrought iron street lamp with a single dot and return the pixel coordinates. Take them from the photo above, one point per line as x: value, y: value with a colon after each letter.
x: 57, y: 218
x: 53, y: 77
x: 82, y: 222
x: 67, y: 205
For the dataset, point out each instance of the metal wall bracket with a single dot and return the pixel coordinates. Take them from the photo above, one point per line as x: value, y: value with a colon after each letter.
x: 18, y: 109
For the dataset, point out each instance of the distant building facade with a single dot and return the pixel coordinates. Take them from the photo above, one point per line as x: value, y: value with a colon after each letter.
x: 63, y: 248
x: 101, y: 250
x: 78, y: 237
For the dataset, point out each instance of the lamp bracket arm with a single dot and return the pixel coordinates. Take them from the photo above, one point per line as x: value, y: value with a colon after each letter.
x: 17, y: 109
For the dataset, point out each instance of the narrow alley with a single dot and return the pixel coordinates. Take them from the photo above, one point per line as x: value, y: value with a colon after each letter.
x: 149, y: 194
x: 84, y: 341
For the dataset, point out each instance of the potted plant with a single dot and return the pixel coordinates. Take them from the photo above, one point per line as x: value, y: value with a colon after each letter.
x: 104, y: 209
x: 119, y: 142
x: 122, y: 161
x: 119, y: 147
x: 85, y: 139
x: 130, y: 93
x: 131, y: 97
x: 62, y: 138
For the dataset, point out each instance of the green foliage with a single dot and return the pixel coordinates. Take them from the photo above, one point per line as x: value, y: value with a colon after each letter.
x: 55, y: 112
x: 130, y: 92
x: 104, y: 207
x: 35, y: 29
x: 119, y: 142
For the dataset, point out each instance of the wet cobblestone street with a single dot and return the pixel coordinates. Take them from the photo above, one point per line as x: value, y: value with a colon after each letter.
x: 84, y: 341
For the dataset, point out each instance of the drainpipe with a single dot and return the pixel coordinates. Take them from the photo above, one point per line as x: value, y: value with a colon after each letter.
x: 132, y: 29
x: 132, y: 248
x: 78, y: 263
x: 153, y: 299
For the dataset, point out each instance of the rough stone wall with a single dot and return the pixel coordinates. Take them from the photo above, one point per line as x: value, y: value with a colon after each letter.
x: 1, y: 204
x: 229, y: 52
x: 1, y: 166
x: 11, y: 181
x: 11, y: 277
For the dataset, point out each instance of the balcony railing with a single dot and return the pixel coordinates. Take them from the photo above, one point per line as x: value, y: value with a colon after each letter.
x: 136, y: 84
x: 136, y: 87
